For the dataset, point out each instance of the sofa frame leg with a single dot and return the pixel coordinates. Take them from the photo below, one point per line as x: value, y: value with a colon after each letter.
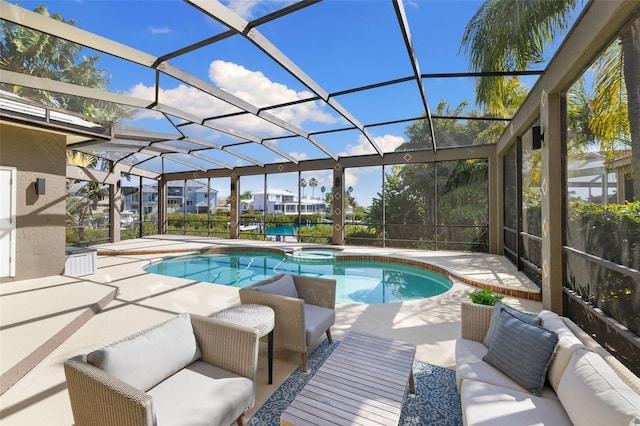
x: 329, y: 335
x: 304, y: 361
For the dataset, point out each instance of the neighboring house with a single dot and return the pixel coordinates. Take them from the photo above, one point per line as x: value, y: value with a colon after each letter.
x: 278, y: 201
x: 589, y: 177
x: 131, y: 199
x: 247, y: 205
x: 194, y: 198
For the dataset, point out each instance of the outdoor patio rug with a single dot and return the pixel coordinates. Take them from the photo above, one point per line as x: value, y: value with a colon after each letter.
x: 436, y: 401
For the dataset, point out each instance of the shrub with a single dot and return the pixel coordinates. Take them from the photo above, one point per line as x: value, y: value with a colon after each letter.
x: 485, y: 297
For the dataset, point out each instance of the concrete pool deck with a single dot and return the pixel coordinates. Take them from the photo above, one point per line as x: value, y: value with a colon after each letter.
x: 47, y: 320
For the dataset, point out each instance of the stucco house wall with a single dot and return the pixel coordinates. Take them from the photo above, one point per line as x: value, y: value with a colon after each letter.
x: 40, y: 219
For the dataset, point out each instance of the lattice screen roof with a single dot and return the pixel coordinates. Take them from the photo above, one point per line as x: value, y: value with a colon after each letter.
x: 212, y: 86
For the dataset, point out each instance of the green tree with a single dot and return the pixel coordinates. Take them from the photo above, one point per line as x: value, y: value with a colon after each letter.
x: 303, y: 185
x: 630, y: 40
x: 32, y: 52
x: 579, y: 115
x: 504, y: 35
x: 454, y: 132
x: 402, y: 207
x: 80, y: 206
x: 313, y: 182
x: 411, y: 191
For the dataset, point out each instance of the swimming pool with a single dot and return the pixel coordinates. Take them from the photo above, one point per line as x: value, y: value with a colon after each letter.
x: 357, y: 281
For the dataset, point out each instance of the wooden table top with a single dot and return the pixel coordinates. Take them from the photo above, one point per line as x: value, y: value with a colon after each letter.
x: 363, y: 382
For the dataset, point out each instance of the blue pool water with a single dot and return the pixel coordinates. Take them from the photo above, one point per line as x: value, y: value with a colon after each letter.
x: 357, y: 281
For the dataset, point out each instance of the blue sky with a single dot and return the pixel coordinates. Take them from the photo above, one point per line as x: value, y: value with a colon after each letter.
x: 340, y: 44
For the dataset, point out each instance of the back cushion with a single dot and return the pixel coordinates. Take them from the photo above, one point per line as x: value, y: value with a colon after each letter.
x: 522, y: 351
x: 592, y: 394
x: 495, y: 317
x: 153, y: 355
x: 567, y: 345
x: 283, y: 286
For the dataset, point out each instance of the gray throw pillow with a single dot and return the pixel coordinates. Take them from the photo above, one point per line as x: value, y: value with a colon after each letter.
x: 522, y: 351
x: 283, y: 286
x: 499, y: 306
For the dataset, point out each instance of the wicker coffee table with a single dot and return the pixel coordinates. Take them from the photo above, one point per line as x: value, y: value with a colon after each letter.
x: 259, y: 317
x: 362, y: 382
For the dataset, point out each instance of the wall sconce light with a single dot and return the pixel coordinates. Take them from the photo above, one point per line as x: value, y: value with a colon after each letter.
x: 537, y: 136
x: 336, y: 183
x: 40, y: 186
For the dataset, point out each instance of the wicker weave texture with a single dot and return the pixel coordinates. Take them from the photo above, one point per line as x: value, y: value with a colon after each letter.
x: 475, y: 320
x: 289, y: 329
x: 98, y: 398
x: 229, y: 346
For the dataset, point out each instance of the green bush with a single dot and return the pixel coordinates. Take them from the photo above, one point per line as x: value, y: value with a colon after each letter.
x: 484, y: 297
x: 319, y: 234
x: 611, y: 232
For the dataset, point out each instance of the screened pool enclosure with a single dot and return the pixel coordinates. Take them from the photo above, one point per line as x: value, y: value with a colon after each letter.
x: 358, y: 123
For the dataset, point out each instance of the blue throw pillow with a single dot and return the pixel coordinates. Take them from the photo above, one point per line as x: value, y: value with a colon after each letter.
x: 522, y: 351
x: 499, y: 306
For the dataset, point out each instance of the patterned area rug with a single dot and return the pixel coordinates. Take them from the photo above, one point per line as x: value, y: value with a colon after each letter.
x: 436, y: 401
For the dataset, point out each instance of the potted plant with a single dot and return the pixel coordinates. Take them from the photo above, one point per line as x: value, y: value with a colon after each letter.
x: 484, y: 297
x: 476, y: 313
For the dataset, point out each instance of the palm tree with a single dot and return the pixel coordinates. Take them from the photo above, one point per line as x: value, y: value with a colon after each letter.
x: 504, y: 35
x: 27, y: 51
x: 303, y: 185
x: 630, y: 40
x: 313, y: 182
x: 322, y: 190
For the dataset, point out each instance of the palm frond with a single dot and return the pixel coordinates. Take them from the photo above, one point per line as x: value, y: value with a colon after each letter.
x: 610, y: 117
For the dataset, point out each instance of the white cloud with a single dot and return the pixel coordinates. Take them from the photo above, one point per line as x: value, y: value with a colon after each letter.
x: 251, y: 86
x: 350, y: 178
x: 159, y: 30
x: 299, y: 155
x: 248, y: 8
x: 243, y: 8
x: 184, y: 98
x: 386, y: 143
x: 255, y: 88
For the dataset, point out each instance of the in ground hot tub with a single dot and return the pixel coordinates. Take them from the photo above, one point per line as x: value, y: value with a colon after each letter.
x: 324, y: 254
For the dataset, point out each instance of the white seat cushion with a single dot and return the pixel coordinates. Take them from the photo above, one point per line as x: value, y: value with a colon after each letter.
x: 487, y: 404
x: 469, y: 365
x: 193, y: 397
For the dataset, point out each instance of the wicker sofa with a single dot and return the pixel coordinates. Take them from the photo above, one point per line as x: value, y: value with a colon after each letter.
x: 304, y: 309
x: 582, y: 383
x: 187, y: 370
